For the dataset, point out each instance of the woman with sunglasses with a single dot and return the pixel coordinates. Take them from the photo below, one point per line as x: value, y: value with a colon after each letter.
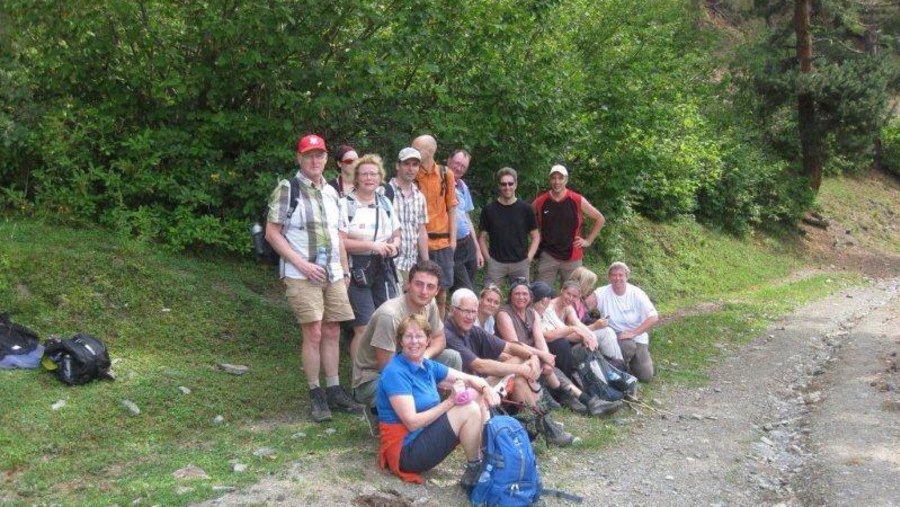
x: 519, y: 322
x: 345, y: 156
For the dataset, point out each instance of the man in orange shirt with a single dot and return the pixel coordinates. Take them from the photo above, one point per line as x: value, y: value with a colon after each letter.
x: 438, y: 185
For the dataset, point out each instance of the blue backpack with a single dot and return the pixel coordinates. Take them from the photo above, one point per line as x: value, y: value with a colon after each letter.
x: 509, y: 475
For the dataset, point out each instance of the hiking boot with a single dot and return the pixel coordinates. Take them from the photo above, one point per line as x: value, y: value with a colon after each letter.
x: 470, y: 476
x: 547, y: 402
x: 600, y: 408
x: 319, y: 409
x: 554, y: 433
x: 338, y: 399
x: 566, y: 398
x: 372, y: 421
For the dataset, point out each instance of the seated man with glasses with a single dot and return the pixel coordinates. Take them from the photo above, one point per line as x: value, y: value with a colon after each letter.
x: 509, y: 234
x: 488, y: 356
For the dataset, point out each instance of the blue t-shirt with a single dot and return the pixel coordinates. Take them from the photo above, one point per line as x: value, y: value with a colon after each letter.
x: 400, y: 376
x: 465, y: 205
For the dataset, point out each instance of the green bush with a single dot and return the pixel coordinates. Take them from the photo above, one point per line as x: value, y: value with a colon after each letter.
x: 890, y: 145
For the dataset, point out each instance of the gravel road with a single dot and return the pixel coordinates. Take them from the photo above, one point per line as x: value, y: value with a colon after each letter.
x: 807, y: 414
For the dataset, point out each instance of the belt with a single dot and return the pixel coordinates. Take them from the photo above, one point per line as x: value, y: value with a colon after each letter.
x: 438, y: 235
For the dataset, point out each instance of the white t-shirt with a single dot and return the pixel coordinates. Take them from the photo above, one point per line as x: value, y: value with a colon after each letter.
x: 551, y: 320
x: 626, y: 312
x: 362, y: 226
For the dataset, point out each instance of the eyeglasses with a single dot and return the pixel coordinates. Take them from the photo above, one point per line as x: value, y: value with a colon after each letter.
x: 467, y: 313
x: 507, y: 183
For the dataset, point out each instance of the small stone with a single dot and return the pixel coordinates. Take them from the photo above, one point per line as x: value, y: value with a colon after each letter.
x: 234, y: 369
x: 218, y: 420
x: 768, y: 427
x: 717, y: 389
x: 299, y: 434
x: 131, y: 407
x: 771, y: 336
x: 58, y: 405
x: 264, y: 452
x: 184, y: 390
x: 166, y: 310
x: 238, y: 468
x: 190, y: 472
x: 330, y: 431
x: 183, y: 490
x: 766, y: 441
x: 696, y: 417
x: 670, y: 478
x: 223, y: 489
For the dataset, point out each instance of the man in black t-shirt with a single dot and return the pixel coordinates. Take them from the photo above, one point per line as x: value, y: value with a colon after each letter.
x: 506, y: 225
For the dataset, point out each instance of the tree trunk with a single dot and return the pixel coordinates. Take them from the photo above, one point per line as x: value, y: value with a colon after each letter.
x: 871, y: 44
x: 810, y: 143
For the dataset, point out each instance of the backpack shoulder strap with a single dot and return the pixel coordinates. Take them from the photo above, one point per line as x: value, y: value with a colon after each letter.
x: 443, y: 180
x: 351, y: 207
x: 389, y: 192
x: 384, y: 203
x: 294, y: 196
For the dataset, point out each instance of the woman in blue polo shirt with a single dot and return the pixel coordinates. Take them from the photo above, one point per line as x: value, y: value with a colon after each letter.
x: 418, y: 429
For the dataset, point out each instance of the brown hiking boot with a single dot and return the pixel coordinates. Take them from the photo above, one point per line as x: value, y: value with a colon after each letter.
x: 319, y: 405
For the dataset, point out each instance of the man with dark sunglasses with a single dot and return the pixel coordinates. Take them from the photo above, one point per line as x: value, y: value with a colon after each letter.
x: 507, y: 224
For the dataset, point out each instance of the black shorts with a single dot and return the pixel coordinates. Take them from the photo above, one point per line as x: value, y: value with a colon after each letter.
x: 430, y: 447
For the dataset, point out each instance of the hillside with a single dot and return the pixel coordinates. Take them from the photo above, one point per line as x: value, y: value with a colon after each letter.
x: 170, y: 320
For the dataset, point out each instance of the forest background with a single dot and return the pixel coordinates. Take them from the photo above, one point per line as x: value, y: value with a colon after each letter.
x: 170, y: 121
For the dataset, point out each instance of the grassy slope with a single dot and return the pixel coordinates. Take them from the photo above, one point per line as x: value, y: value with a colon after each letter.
x: 170, y: 319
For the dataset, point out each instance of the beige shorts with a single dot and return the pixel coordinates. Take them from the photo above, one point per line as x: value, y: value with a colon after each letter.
x: 310, y: 303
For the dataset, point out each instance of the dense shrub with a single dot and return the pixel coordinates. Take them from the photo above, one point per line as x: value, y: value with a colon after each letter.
x: 172, y: 120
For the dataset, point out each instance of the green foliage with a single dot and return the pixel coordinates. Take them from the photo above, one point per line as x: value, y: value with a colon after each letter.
x: 854, y: 77
x: 890, y: 139
x: 172, y: 121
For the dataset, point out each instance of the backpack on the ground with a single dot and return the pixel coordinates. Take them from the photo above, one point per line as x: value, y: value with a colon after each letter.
x: 15, y: 339
x: 509, y: 475
x: 591, y: 375
x: 77, y: 360
x: 264, y: 251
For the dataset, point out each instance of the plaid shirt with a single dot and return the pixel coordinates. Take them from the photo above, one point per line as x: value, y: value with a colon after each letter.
x: 411, y: 212
x: 314, y: 224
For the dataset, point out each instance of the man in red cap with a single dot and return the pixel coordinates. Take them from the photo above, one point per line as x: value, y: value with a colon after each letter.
x: 304, y: 232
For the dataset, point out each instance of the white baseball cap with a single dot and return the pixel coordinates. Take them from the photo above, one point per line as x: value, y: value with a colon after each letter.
x: 559, y: 169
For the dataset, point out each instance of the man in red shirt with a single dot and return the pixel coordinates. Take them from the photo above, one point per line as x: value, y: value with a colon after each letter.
x: 560, y: 216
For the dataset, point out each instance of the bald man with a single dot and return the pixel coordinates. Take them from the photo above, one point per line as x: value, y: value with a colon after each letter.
x: 438, y: 185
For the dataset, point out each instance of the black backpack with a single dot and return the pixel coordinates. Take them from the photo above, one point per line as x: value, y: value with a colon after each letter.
x: 15, y: 339
x: 264, y: 251
x: 79, y: 360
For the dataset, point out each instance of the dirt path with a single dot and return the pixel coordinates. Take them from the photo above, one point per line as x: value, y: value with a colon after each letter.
x: 790, y: 419
x: 792, y: 406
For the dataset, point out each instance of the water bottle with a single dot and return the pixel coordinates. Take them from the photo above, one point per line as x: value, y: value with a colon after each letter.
x: 322, y: 261
x: 258, y: 233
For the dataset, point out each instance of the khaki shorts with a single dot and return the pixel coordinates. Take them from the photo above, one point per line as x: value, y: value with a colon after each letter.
x: 311, y: 303
x: 550, y: 269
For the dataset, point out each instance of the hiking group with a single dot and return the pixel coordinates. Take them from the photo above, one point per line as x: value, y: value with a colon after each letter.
x: 381, y: 258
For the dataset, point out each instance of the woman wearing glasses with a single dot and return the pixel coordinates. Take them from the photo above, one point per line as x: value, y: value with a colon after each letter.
x: 418, y: 429
x: 370, y: 233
